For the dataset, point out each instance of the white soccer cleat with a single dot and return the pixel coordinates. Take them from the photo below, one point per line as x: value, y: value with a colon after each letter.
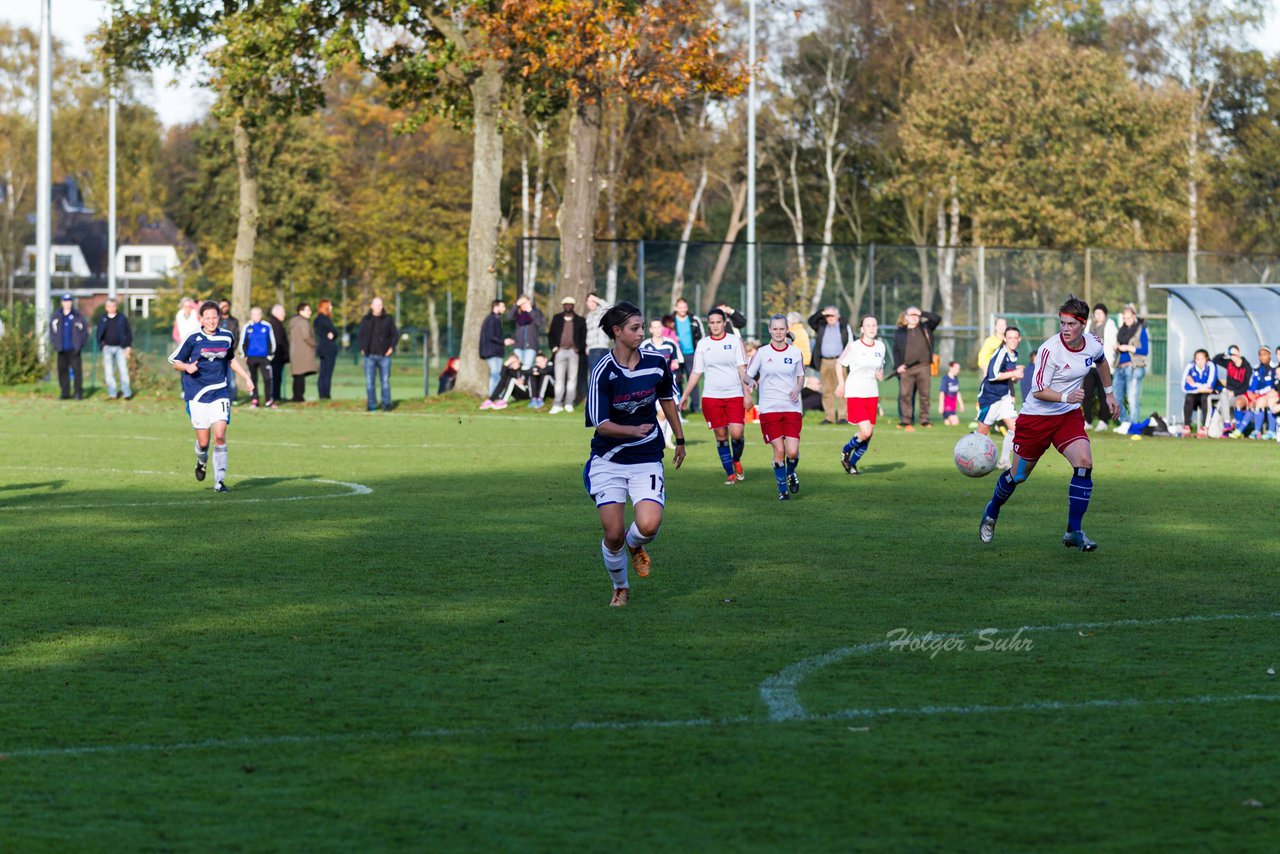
x: 987, y: 530
x: 556, y: 409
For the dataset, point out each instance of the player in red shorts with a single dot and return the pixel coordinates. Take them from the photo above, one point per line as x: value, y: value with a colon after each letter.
x: 864, y: 357
x: 779, y: 365
x: 725, y: 396
x: 1051, y: 416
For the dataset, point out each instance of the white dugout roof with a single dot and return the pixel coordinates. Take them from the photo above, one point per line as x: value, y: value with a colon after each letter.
x: 1214, y: 317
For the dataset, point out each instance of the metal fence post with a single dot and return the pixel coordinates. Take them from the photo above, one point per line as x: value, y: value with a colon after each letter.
x: 982, y: 292
x: 640, y: 273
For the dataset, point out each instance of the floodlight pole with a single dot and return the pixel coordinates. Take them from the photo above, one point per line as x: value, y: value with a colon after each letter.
x: 111, y: 189
x: 751, y: 169
x: 43, y: 183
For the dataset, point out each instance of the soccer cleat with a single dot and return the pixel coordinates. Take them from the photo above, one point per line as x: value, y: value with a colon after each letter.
x: 793, y: 483
x: 1078, y: 540
x: 846, y: 461
x: 620, y: 597
x: 987, y: 530
x: 497, y: 404
x: 486, y: 404
x: 639, y: 561
x: 221, y: 487
x: 784, y: 496
x: 737, y: 470
x: 731, y: 480
x: 199, y: 471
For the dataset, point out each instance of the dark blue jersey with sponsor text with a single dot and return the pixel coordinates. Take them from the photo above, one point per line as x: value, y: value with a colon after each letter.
x: 212, y: 353
x: 992, y: 389
x: 629, y: 397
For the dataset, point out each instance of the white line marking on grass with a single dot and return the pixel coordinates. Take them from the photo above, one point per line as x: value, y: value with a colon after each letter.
x: 779, y: 690
x: 350, y: 490
x: 98, y: 437
x: 613, y: 726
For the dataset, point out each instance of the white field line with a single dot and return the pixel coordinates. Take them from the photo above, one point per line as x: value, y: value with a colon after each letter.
x: 350, y: 489
x: 108, y: 438
x: 796, y: 714
x: 344, y: 738
x: 778, y: 692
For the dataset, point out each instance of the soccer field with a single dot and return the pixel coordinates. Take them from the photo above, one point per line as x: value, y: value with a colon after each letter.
x: 393, y: 633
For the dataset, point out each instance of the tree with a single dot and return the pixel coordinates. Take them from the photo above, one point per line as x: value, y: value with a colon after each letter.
x: 1245, y: 112
x: 656, y: 53
x: 267, y: 60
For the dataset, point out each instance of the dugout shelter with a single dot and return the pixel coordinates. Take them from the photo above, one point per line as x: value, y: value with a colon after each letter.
x: 1214, y: 317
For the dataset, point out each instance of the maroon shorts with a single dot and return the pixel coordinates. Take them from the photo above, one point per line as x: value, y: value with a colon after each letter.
x: 780, y: 425
x: 861, y: 408
x: 723, y: 411
x: 1035, y: 433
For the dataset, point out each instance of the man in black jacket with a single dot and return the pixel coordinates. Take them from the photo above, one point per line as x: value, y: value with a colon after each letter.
x: 69, y: 331
x: 568, y: 339
x: 913, y: 360
x: 377, y: 340
x: 492, y: 343
x: 115, y: 340
x: 831, y: 334
x: 280, y: 357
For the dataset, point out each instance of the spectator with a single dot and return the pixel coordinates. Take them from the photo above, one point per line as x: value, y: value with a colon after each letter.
x: 258, y: 344
x: 689, y: 332
x: 449, y: 376
x: 811, y: 394
x: 831, y: 334
x: 513, y: 384
x: 302, y: 350
x: 1132, y: 346
x: 1197, y: 383
x: 377, y: 343
x: 115, y: 340
x: 187, y: 322
x: 950, y: 401
x: 737, y: 320
x: 326, y: 336
x: 913, y: 355
x: 1261, y: 385
x: 228, y: 322
x: 1103, y: 328
x: 281, y: 356
x: 541, y: 381
x: 528, y: 321
x: 69, y: 330
x: 1234, y: 398
x: 568, y: 339
x: 993, y: 343
x: 597, y: 340
x: 800, y: 336
x: 492, y: 344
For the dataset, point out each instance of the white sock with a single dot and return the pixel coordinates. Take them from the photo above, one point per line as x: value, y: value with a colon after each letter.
x: 1006, y: 447
x: 219, y: 463
x: 615, y: 563
x: 635, y: 539
x: 202, y: 454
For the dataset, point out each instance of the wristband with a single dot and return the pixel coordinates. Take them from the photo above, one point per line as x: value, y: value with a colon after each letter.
x: 679, y: 440
x: 1106, y: 389
x: 1062, y: 396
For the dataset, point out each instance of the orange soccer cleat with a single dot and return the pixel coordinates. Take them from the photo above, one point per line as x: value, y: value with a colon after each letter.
x: 639, y: 560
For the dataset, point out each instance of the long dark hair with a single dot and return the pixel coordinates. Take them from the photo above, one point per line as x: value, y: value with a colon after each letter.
x: 618, y: 316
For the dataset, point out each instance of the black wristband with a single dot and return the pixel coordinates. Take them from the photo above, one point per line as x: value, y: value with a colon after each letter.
x: 680, y: 440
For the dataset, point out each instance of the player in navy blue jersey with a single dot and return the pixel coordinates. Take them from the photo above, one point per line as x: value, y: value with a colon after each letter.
x: 626, y: 388
x: 204, y: 360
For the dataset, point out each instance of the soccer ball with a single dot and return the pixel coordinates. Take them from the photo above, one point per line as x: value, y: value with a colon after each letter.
x: 975, y: 455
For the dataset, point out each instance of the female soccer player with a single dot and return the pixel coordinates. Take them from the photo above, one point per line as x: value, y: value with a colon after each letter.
x: 725, y: 397
x: 780, y: 369
x: 864, y: 357
x: 1051, y: 415
x: 626, y: 388
x: 204, y: 359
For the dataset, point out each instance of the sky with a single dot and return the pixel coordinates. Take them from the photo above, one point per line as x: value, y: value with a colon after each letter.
x: 185, y: 101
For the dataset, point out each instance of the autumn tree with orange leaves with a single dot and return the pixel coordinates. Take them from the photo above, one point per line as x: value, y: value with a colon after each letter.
x: 581, y: 54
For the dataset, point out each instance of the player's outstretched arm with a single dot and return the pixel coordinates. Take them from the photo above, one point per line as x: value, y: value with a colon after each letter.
x: 244, y: 375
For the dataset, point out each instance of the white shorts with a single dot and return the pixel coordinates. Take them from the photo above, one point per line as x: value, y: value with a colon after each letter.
x: 204, y: 415
x: 611, y: 483
x: 1001, y: 410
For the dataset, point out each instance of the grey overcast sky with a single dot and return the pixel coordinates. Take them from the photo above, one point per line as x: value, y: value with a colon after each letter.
x: 185, y: 101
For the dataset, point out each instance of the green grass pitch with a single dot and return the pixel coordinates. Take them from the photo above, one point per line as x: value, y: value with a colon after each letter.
x: 393, y: 633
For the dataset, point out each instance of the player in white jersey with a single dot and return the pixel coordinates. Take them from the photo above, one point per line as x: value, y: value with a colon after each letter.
x: 779, y: 367
x: 1051, y: 416
x: 864, y: 359
x: 725, y: 395
x: 205, y: 360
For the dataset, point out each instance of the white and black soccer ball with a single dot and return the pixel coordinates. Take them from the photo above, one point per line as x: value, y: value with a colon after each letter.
x: 975, y: 455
